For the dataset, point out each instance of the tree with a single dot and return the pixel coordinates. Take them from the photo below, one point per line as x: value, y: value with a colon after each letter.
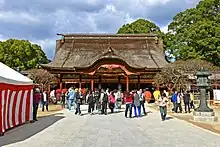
x: 195, y: 33
x: 178, y: 72
x: 41, y: 77
x: 22, y: 54
x: 140, y: 26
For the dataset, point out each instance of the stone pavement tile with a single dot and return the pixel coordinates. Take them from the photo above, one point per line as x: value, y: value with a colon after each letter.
x: 75, y: 142
x: 103, y: 141
x: 90, y: 141
x: 116, y: 130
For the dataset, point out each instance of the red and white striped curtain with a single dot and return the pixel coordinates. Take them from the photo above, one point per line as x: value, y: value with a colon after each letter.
x: 16, y: 102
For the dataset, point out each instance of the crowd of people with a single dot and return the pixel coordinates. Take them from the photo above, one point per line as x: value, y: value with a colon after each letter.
x: 176, y: 98
x: 101, y: 100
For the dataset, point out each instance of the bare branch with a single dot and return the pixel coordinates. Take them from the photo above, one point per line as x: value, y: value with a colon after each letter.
x: 42, y: 77
x: 177, y: 72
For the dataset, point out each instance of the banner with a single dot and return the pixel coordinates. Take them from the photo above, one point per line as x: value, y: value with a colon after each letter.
x: 216, y: 94
x: 16, y: 102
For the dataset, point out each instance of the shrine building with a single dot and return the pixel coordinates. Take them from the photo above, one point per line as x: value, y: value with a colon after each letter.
x: 125, y: 61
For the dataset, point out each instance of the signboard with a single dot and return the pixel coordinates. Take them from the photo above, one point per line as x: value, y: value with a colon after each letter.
x: 216, y: 94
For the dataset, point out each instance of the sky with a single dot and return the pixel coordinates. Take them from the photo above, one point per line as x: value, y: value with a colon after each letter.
x: 40, y: 20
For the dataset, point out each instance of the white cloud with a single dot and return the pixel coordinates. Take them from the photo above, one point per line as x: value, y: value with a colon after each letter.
x: 154, y: 2
x: 164, y: 29
x: 21, y: 18
x: 46, y: 44
x: 40, y: 20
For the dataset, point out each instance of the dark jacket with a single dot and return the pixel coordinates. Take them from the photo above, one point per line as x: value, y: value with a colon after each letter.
x: 186, y: 98
x: 96, y: 96
x: 37, y: 97
x: 78, y: 98
x: 90, y: 99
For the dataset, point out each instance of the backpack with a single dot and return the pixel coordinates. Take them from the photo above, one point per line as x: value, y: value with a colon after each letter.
x: 94, y: 98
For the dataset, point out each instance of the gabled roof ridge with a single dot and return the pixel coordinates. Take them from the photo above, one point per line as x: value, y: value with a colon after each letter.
x: 107, y: 35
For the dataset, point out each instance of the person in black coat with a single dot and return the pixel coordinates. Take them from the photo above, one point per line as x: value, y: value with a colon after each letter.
x: 78, y: 102
x: 104, y: 102
x: 91, y: 102
x: 186, y: 99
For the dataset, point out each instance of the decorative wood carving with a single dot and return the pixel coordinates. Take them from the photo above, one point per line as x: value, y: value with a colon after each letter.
x: 147, y: 76
x: 71, y: 76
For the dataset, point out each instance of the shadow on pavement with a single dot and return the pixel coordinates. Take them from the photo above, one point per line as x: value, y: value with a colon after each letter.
x: 149, y: 112
x: 26, y: 131
x: 169, y: 118
x: 115, y: 112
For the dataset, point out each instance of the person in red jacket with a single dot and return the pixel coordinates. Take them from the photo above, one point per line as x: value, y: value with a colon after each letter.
x: 36, y: 100
x: 128, y: 102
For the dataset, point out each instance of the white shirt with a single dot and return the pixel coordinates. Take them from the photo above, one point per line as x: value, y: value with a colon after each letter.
x: 167, y: 94
x: 52, y: 93
x: 179, y: 98
x: 101, y: 96
x: 45, y: 97
x: 116, y: 95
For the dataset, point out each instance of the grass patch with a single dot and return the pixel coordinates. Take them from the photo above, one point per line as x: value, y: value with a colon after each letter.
x: 52, y: 109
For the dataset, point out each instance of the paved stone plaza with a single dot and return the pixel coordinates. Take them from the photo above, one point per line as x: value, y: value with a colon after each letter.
x: 114, y: 130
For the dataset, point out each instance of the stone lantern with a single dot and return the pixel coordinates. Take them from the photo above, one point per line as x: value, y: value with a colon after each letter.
x: 203, y: 112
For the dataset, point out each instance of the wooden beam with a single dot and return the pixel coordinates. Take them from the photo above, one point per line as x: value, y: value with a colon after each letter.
x: 80, y: 81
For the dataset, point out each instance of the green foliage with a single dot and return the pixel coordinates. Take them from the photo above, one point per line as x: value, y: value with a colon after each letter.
x: 195, y: 33
x: 22, y: 54
x: 140, y: 26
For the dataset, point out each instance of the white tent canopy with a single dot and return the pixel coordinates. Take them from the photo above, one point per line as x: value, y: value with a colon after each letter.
x: 10, y: 76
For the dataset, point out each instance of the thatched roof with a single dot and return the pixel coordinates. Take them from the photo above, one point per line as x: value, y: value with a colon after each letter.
x: 84, y: 51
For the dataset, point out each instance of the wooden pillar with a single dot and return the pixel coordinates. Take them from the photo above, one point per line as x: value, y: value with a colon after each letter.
x: 60, y: 82
x: 92, y: 84
x: 48, y: 88
x: 80, y: 81
x: 61, y: 85
x: 139, y: 82
x: 127, y: 83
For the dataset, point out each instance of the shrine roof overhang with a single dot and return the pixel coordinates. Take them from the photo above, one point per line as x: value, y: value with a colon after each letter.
x: 81, y: 54
x: 97, y: 64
